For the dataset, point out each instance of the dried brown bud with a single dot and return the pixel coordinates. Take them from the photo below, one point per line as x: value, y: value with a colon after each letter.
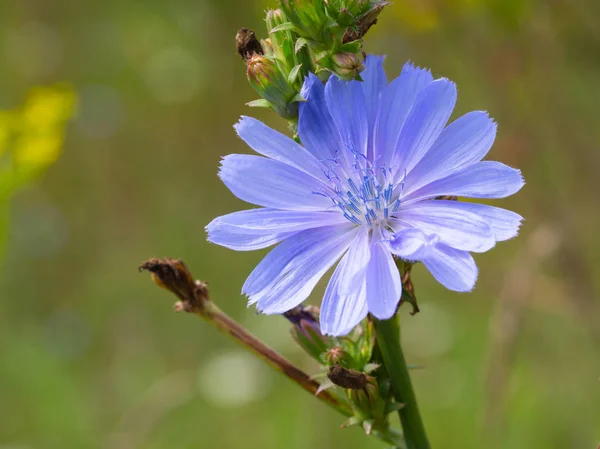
x: 173, y: 275
x: 347, y: 378
x: 247, y: 44
x: 363, y: 25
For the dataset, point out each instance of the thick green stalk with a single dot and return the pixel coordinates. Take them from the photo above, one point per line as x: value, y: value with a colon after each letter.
x: 388, y: 339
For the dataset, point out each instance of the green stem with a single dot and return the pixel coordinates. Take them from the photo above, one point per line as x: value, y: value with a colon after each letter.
x: 388, y: 339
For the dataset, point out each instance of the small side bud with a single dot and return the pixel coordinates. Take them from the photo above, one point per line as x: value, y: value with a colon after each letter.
x: 267, y: 79
x: 275, y: 17
x: 346, y: 65
x: 335, y: 355
x: 282, y: 42
x: 347, y: 12
x: 308, y: 16
x: 247, y: 44
x: 307, y: 331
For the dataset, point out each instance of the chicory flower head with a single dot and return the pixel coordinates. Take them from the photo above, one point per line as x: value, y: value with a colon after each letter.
x: 362, y: 189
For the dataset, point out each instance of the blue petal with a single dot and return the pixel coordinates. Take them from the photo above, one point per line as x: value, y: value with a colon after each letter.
x: 273, y: 144
x: 347, y: 106
x: 374, y: 82
x: 287, y: 275
x: 486, y: 179
x: 396, y: 102
x: 316, y: 127
x: 412, y: 243
x: 271, y: 183
x: 253, y: 229
x: 424, y: 123
x: 454, y: 226
x: 454, y: 269
x: 465, y: 141
x: 504, y: 223
x: 345, y: 301
x: 384, y: 286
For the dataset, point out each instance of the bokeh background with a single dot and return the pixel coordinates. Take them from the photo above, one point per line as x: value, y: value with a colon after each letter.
x: 91, y: 355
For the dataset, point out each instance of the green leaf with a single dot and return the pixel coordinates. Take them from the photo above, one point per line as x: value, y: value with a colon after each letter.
x: 323, y: 55
x: 260, y: 103
x: 301, y: 42
x: 294, y: 74
x: 370, y: 367
x: 287, y: 26
x: 298, y: 98
x: 393, y: 407
x: 352, y: 47
x: 352, y: 421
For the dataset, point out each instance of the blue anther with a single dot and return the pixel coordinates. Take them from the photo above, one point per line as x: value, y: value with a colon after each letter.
x: 353, y: 186
x: 352, y: 218
x: 354, y: 209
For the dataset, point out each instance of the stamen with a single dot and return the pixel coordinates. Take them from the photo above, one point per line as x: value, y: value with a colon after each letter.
x: 365, y: 190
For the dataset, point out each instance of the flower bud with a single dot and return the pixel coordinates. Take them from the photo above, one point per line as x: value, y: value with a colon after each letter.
x: 307, y: 331
x: 275, y: 17
x: 346, y: 12
x: 346, y: 65
x: 267, y: 79
x: 308, y: 16
x: 282, y: 41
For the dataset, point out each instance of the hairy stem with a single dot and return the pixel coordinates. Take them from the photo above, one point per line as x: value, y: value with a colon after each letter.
x: 388, y: 339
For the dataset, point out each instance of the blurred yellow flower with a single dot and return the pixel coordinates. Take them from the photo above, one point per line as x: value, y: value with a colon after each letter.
x: 31, y: 136
x: 31, y: 139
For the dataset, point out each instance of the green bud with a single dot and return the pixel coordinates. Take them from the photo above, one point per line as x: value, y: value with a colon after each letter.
x: 308, y: 16
x: 282, y: 42
x: 267, y: 47
x: 267, y: 79
x: 346, y: 65
x: 347, y: 12
x: 275, y: 17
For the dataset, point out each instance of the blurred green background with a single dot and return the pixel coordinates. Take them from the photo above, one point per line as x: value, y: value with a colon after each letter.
x: 91, y: 355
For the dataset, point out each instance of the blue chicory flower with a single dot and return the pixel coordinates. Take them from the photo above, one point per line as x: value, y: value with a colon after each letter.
x: 361, y: 189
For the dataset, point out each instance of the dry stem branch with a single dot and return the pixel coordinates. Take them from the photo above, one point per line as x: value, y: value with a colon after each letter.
x: 173, y: 275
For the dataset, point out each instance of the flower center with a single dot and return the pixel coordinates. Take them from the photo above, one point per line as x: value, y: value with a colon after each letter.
x: 364, y: 192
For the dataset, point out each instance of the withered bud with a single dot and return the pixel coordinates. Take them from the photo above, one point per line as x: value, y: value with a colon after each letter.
x: 247, y: 44
x: 346, y: 65
x: 365, y: 22
x: 174, y: 275
x: 348, y: 378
